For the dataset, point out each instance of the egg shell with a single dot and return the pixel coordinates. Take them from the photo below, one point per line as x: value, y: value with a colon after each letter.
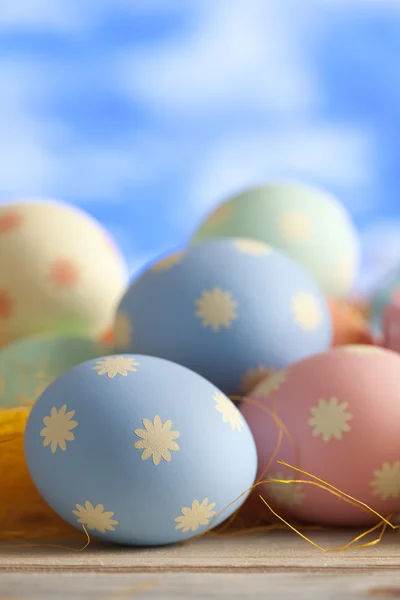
x: 60, y: 271
x: 229, y: 309
x: 306, y: 223
x: 349, y: 326
x: 142, y: 451
x: 28, y: 366
x: 387, y: 291
x: 342, y: 411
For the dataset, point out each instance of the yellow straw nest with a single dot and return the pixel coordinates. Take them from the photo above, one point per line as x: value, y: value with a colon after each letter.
x: 24, y: 515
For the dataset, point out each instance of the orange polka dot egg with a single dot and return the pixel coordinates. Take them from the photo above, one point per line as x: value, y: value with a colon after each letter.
x: 338, y: 412
x: 59, y: 271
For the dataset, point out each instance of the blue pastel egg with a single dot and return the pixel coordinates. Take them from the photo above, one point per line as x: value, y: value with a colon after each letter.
x: 387, y: 290
x: 139, y: 450
x: 230, y: 309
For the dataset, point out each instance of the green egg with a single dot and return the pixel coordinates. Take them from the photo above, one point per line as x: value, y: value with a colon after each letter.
x: 306, y: 223
x: 28, y: 366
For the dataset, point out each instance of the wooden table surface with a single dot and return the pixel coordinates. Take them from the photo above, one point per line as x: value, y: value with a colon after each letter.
x: 275, y: 564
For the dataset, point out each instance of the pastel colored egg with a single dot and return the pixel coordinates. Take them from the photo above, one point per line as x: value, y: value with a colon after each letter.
x: 339, y: 413
x: 139, y: 450
x: 349, y: 326
x: 230, y: 309
x: 28, y: 366
x: 306, y: 223
x: 60, y: 272
x: 386, y: 292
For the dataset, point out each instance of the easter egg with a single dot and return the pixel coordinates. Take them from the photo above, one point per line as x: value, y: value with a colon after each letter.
x: 229, y: 309
x: 139, y: 450
x: 349, y: 326
x: 306, y: 223
x: 59, y: 271
x: 29, y: 365
x: 386, y: 292
x: 338, y: 413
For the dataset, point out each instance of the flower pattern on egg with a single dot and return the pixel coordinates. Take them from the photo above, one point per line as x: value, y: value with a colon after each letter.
x: 306, y: 311
x: 272, y: 383
x: 295, y: 226
x: 198, y: 514
x: 386, y: 481
x: 57, y: 430
x: 157, y: 440
x: 253, y: 376
x: 363, y: 350
x: 289, y: 494
x: 116, y: 365
x: 94, y: 517
x: 330, y: 419
x: 252, y: 247
x: 230, y: 414
x: 216, y: 308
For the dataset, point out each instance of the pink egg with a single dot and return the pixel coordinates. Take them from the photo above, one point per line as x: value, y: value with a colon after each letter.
x: 341, y: 410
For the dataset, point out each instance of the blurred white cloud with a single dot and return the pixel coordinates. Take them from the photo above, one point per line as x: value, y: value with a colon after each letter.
x: 239, y: 53
x: 327, y: 154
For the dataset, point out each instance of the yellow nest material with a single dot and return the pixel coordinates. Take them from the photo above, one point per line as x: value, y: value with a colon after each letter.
x: 23, y: 512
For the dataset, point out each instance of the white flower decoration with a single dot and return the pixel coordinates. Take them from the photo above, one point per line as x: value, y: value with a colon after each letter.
x: 198, y: 514
x: 95, y: 517
x: 295, y: 226
x: 57, y: 430
x: 290, y: 494
x: 230, y: 414
x: 330, y: 419
x: 306, y: 311
x: 272, y: 383
x: 362, y: 350
x: 253, y: 376
x: 123, y: 330
x: 253, y: 247
x: 386, y: 481
x: 116, y: 365
x: 157, y: 440
x: 216, y: 309
x: 168, y: 262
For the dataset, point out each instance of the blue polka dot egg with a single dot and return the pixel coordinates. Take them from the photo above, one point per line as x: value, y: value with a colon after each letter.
x: 139, y: 450
x: 232, y: 309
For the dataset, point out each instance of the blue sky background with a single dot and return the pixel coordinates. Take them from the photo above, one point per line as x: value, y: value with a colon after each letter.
x: 147, y: 113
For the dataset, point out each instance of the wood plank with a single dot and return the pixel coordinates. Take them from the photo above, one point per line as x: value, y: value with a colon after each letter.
x: 275, y: 550
x: 181, y: 586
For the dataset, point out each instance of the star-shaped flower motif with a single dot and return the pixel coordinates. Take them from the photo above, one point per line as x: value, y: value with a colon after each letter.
x: 253, y: 247
x: 330, y: 419
x: 230, y: 414
x: 157, y: 440
x: 386, y: 481
x: 57, y: 430
x: 306, y: 311
x: 198, y: 514
x: 116, y: 365
x: 95, y: 517
x: 216, y: 308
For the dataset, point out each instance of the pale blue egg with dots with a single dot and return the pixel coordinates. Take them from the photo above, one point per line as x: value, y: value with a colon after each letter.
x: 139, y: 450
x: 230, y: 309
